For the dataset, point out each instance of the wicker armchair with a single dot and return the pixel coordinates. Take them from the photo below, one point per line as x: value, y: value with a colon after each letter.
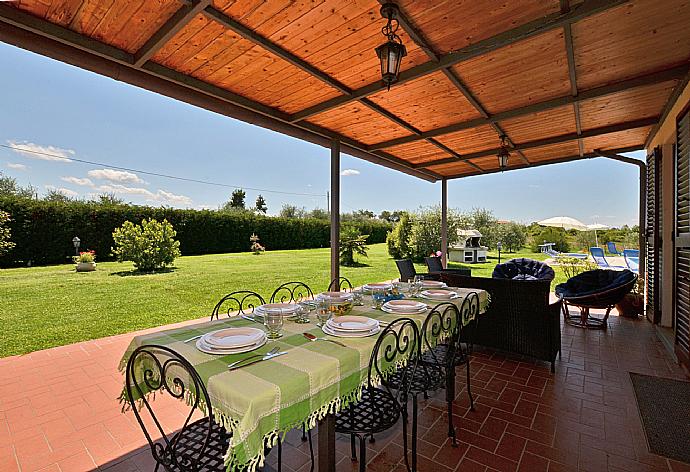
x: 519, y: 319
x: 435, y: 266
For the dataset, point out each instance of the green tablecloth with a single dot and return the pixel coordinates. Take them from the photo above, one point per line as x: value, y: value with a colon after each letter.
x: 259, y: 403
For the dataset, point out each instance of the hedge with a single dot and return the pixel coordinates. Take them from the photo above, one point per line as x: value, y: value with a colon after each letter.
x: 43, y: 230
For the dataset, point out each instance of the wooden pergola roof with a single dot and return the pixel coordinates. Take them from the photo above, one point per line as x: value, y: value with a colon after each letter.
x: 560, y: 79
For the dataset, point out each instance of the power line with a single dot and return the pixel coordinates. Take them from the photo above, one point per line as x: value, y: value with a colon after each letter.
x: 155, y: 174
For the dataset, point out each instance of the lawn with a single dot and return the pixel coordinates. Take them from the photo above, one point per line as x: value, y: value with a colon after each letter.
x: 51, y: 306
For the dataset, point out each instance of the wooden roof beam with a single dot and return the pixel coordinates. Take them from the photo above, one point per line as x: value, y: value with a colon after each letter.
x: 674, y: 73
x: 677, y: 91
x: 528, y: 30
x: 559, y: 160
x: 40, y: 36
x: 552, y: 140
x: 568, y: 36
x: 171, y: 27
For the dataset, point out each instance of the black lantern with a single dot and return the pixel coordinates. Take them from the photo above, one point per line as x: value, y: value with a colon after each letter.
x: 392, y: 51
x: 503, y: 154
x: 76, y: 242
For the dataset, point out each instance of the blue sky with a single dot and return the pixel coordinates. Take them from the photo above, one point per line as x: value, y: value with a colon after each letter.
x: 55, y: 108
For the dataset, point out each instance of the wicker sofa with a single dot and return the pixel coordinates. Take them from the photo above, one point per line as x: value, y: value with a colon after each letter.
x: 519, y: 319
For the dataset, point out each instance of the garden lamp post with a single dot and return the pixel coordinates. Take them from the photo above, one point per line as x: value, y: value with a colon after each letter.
x: 499, y: 246
x: 76, y: 241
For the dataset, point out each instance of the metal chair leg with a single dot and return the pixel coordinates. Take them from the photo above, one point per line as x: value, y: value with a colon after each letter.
x: 469, y: 390
x: 353, y: 447
x: 450, y: 396
x: 414, y: 432
x: 280, y: 455
x: 404, y: 418
x: 304, y: 434
x: 362, y: 454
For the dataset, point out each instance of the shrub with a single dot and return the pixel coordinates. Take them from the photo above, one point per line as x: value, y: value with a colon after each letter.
x: 5, y: 233
x: 149, y: 246
x: 86, y: 256
x: 572, y: 265
x: 352, y: 242
x: 512, y: 236
x: 256, y: 247
x: 43, y: 231
x: 419, y: 235
x: 398, y: 240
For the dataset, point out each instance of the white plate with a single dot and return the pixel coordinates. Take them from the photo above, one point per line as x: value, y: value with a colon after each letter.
x: 433, y: 284
x: 352, y: 323
x: 378, y: 286
x: 403, y: 312
x: 203, y: 347
x: 439, y: 295
x: 349, y: 334
x: 404, y: 304
x: 286, y: 308
x: 233, y: 338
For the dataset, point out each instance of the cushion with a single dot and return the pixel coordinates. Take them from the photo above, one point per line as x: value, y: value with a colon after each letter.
x: 594, y: 281
x: 523, y: 269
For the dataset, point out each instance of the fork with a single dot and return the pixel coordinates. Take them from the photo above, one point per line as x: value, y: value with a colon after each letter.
x: 272, y: 351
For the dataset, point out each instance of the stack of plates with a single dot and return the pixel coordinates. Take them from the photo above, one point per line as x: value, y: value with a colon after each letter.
x: 378, y: 286
x: 439, y: 294
x: 351, y: 326
x: 404, y: 307
x: 231, y: 341
x: 286, y: 309
x: 433, y: 284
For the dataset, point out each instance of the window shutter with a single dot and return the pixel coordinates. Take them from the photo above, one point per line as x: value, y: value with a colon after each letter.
x: 682, y: 239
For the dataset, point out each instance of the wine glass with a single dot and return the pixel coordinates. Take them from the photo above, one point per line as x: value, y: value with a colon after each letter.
x: 323, y: 312
x: 377, y: 296
x: 273, y: 320
x: 305, y: 308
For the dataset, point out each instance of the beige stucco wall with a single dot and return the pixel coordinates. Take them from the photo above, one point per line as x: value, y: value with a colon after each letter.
x: 666, y: 137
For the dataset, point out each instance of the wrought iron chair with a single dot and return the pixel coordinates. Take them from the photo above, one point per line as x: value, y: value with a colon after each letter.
x: 383, y: 403
x: 340, y: 285
x: 292, y: 292
x: 199, y: 445
x: 435, y: 266
x: 241, y: 302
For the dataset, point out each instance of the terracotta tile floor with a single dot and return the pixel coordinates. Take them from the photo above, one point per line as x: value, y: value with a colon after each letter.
x: 59, y: 412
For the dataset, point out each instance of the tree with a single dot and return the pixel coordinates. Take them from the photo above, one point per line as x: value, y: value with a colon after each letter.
x: 10, y: 188
x: 56, y: 196
x: 291, y: 211
x: 260, y: 205
x: 485, y: 222
x: 391, y: 217
x: 512, y: 235
x: 319, y: 214
x: 352, y: 242
x: 236, y: 201
x: 5, y: 233
x: 109, y: 199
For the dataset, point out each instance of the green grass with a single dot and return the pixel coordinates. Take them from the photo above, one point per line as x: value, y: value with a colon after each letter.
x: 51, y: 306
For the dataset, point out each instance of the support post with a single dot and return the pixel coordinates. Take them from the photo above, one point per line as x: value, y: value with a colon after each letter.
x: 444, y: 222
x: 335, y: 209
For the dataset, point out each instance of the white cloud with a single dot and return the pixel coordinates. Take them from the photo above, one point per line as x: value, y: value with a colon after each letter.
x: 172, y: 198
x: 160, y: 196
x: 348, y: 172
x: 65, y: 191
x: 16, y: 166
x: 44, y: 153
x: 116, y: 176
x: 78, y: 181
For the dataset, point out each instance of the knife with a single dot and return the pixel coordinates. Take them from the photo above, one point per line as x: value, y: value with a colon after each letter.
x: 265, y: 358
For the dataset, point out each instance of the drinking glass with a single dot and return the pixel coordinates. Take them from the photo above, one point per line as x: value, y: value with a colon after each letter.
x: 305, y: 309
x: 358, y: 297
x: 273, y: 320
x: 323, y: 312
x: 377, y: 296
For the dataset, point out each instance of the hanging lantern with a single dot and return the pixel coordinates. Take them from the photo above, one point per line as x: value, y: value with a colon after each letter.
x: 392, y: 51
x: 503, y: 154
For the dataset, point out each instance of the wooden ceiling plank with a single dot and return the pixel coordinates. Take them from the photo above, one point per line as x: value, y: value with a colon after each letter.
x: 505, y: 38
x: 666, y: 75
x: 677, y: 91
x: 178, y: 21
x: 559, y: 160
x: 556, y: 139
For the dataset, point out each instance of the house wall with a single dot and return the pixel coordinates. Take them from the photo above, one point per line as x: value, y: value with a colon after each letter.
x: 666, y: 138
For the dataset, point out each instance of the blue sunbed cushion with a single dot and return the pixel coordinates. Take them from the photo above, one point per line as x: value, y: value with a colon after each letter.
x: 523, y: 269
x: 594, y: 281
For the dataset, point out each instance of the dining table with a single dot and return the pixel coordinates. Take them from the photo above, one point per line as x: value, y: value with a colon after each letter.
x: 304, y: 388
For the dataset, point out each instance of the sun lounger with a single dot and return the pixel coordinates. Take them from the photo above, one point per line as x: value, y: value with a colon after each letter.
x: 632, y: 259
x: 600, y: 259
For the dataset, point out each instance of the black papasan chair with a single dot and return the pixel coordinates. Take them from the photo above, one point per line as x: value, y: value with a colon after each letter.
x: 598, y: 288
x: 523, y: 269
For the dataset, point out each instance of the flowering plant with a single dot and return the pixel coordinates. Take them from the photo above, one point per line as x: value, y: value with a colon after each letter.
x: 256, y: 247
x: 86, y: 256
x: 436, y: 254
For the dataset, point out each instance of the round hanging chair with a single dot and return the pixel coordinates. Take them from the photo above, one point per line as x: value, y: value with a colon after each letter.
x: 598, y: 288
x: 523, y: 269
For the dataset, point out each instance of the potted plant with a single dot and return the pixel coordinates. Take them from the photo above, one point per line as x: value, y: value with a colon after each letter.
x: 632, y: 305
x: 86, y: 261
